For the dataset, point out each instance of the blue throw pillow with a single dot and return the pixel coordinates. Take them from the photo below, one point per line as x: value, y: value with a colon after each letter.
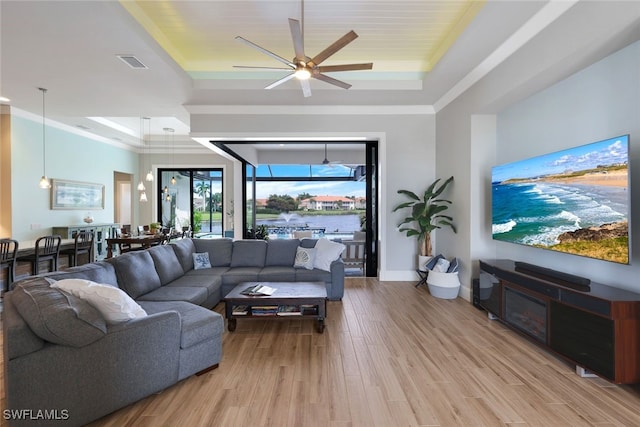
x: 201, y: 260
x: 432, y: 262
x: 453, y: 266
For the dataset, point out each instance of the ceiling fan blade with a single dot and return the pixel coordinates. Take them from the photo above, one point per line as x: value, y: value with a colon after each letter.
x: 346, y: 67
x: 331, y: 80
x: 282, y: 80
x: 334, y: 47
x: 261, y: 68
x: 298, y: 41
x: 265, y: 51
x: 306, y: 88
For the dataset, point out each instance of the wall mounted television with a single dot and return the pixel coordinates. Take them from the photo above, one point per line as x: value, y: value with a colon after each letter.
x: 575, y: 201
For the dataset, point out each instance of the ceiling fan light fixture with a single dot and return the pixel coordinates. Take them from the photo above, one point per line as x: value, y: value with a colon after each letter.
x: 302, y: 73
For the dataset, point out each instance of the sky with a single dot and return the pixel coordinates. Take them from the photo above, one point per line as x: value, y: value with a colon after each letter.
x: 327, y: 188
x: 609, y: 151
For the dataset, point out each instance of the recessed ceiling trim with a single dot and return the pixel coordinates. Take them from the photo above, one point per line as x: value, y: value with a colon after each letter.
x: 547, y: 15
x: 312, y: 109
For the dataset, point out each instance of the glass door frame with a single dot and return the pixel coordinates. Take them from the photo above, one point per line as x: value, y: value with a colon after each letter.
x: 161, y: 184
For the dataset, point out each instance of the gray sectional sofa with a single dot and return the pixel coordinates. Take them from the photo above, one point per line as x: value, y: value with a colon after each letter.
x: 65, y: 364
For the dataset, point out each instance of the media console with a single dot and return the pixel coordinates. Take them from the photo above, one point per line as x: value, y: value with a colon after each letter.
x: 594, y: 326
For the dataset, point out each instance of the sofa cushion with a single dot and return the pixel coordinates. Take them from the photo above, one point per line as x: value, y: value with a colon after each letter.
x: 57, y: 317
x: 136, y: 273
x: 193, y: 294
x: 166, y: 262
x: 219, y: 250
x: 112, y: 303
x: 315, y: 275
x: 281, y: 252
x: 197, y: 323
x: 277, y: 274
x: 211, y: 283
x: 308, y: 243
x: 99, y: 272
x: 249, y: 253
x: 184, y: 248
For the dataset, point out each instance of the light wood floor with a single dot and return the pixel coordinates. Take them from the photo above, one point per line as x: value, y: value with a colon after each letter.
x: 391, y: 355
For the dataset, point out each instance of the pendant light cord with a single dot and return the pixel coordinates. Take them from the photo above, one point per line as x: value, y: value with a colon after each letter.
x: 44, y: 156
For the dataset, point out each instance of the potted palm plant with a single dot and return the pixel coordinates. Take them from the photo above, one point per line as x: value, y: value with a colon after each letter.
x: 425, y: 216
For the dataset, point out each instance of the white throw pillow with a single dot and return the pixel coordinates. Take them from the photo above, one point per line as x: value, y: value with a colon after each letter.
x: 113, y: 303
x: 441, y: 266
x: 327, y: 252
x: 201, y: 260
x: 304, y: 258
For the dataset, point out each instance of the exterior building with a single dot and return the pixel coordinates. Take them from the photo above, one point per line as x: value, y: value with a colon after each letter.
x: 328, y: 203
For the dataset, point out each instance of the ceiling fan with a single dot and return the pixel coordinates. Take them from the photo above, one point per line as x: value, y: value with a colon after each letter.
x: 326, y: 160
x: 302, y: 67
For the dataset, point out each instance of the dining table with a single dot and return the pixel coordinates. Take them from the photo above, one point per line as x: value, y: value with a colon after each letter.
x: 143, y: 241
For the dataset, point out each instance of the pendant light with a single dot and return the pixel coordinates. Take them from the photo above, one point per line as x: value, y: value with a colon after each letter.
x: 141, y: 184
x: 44, y: 181
x: 150, y: 173
x: 173, y: 153
x: 143, y: 194
x: 167, y: 195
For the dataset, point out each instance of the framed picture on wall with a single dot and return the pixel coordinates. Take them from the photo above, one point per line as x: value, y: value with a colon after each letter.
x: 76, y: 195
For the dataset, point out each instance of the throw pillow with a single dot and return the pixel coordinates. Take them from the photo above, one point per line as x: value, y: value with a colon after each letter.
x: 441, y: 266
x: 201, y: 260
x: 453, y: 266
x: 113, y: 303
x: 432, y: 262
x: 327, y: 252
x: 304, y: 258
x: 56, y: 316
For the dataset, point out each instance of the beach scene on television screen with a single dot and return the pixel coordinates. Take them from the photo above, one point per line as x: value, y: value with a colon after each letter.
x: 574, y: 201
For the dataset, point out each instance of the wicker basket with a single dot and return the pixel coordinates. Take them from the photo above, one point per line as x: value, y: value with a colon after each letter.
x: 443, y: 285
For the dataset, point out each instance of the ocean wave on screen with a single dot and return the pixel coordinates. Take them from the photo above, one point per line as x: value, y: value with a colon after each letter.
x: 553, y: 200
x: 548, y: 236
x: 503, y: 228
x: 570, y: 217
x: 535, y: 190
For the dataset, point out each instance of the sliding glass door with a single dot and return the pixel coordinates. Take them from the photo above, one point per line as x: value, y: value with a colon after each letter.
x: 191, y: 200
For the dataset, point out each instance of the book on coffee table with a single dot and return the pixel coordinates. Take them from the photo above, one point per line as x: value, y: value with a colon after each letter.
x: 258, y: 289
x: 289, y: 310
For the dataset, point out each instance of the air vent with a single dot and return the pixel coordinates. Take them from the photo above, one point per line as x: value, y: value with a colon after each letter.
x: 132, y: 61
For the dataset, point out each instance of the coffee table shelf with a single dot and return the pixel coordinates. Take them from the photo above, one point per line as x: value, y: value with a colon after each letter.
x: 309, y: 298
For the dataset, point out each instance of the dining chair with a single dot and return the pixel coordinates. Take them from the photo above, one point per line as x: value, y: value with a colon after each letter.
x: 47, y: 249
x: 83, y: 244
x: 8, y: 256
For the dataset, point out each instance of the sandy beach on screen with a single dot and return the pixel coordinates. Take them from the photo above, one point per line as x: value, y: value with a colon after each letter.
x: 617, y: 178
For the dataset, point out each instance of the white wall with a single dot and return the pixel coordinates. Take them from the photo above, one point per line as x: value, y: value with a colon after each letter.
x: 407, y: 160
x: 599, y: 102
x: 521, y: 91
x: 68, y: 158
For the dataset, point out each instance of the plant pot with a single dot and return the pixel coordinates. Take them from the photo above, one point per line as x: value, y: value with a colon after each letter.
x: 422, y: 261
x: 443, y: 285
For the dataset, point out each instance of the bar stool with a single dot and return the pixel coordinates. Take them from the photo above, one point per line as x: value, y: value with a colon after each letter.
x: 8, y: 256
x: 83, y: 244
x: 47, y: 249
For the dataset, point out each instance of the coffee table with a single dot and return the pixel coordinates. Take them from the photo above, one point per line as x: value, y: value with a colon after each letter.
x: 302, y: 300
